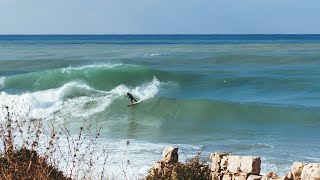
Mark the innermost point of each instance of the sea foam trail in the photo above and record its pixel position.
(2, 82)
(74, 98)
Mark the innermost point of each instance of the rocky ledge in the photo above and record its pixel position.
(226, 166)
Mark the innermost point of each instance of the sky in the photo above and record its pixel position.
(159, 16)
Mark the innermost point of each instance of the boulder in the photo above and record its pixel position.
(270, 176)
(216, 175)
(224, 162)
(296, 170)
(234, 163)
(282, 178)
(254, 177)
(289, 176)
(311, 172)
(219, 161)
(215, 159)
(240, 176)
(170, 155)
(250, 164)
(227, 177)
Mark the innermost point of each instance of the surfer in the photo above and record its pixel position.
(131, 97)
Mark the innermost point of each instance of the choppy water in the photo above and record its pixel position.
(245, 94)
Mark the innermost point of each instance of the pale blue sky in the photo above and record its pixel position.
(159, 16)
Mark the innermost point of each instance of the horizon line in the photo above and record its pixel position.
(165, 34)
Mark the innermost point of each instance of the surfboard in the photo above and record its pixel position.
(133, 104)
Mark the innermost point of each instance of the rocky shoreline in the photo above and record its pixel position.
(226, 166)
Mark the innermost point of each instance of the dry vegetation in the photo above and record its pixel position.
(192, 169)
(27, 151)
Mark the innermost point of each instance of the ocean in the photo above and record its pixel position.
(243, 94)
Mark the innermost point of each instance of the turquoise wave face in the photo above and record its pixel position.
(100, 77)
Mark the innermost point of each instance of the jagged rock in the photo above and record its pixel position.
(224, 162)
(311, 172)
(250, 164)
(216, 176)
(170, 155)
(240, 176)
(296, 170)
(289, 176)
(234, 163)
(227, 177)
(282, 178)
(216, 160)
(254, 177)
(270, 176)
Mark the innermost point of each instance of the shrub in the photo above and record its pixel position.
(190, 170)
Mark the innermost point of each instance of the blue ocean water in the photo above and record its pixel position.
(245, 94)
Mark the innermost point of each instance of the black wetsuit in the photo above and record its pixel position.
(131, 97)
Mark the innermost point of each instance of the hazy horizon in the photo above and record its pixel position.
(158, 17)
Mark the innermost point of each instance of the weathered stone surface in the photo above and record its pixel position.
(250, 164)
(216, 160)
(282, 178)
(270, 176)
(216, 176)
(311, 172)
(296, 170)
(224, 162)
(170, 155)
(227, 177)
(234, 163)
(240, 176)
(254, 177)
(289, 176)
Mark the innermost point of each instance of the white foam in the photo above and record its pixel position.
(147, 91)
(42, 104)
(2, 81)
(156, 54)
(102, 66)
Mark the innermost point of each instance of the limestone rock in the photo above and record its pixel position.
(289, 176)
(240, 176)
(224, 162)
(254, 177)
(250, 164)
(216, 161)
(170, 155)
(296, 170)
(234, 163)
(311, 172)
(216, 176)
(282, 178)
(227, 177)
(270, 176)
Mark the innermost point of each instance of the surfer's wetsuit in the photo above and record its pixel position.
(131, 97)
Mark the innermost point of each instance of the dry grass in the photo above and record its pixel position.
(194, 168)
(30, 150)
